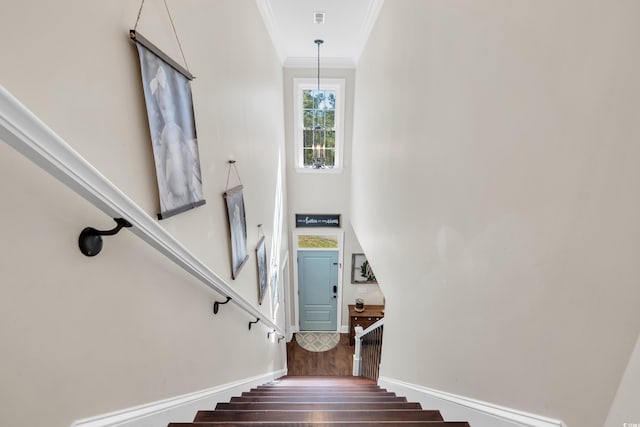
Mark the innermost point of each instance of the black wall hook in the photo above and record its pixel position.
(217, 304)
(90, 241)
(280, 338)
(270, 333)
(251, 323)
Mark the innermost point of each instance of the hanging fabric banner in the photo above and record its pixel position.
(167, 93)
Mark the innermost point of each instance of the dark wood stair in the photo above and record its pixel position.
(314, 401)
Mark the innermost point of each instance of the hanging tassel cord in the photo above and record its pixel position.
(177, 38)
(232, 164)
(139, 14)
(173, 26)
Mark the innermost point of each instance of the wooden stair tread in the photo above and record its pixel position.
(319, 394)
(315, 424)
(304, 406)
(316, 401)
(317, 381)
(318, 416)
(310, 389)
(311, 399)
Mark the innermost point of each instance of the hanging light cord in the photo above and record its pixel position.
(318, 42)
(175, 33)
(317, 97)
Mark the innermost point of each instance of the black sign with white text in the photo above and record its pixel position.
(308, 220)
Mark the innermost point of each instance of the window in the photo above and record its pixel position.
(318, 124)
(315, 241)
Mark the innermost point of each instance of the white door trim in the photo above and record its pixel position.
(294, 244)
(286, 290)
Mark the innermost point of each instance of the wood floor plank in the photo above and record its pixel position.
(322, 379)
(337, 361)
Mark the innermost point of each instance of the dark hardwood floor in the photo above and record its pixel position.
(335, 362)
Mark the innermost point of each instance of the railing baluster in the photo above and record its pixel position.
(368, 352)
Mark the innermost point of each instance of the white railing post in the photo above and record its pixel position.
(356, 354)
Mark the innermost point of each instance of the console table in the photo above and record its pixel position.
(366, 318)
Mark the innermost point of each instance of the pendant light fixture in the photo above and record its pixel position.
(318, 151)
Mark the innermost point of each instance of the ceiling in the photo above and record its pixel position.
(345, 30)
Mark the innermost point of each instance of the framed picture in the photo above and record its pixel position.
(361, 271)
(261, 255)
(167, 93)
(237, 229)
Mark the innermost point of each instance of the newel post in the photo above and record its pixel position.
(356, 355)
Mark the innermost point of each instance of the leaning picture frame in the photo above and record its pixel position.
(167, 92)
(361, 271)
(261, 256)
(237, 229)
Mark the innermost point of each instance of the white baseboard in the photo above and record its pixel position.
(344, 329)
(176, 409)
(460, 408)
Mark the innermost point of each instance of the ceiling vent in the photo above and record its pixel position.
(318, 17)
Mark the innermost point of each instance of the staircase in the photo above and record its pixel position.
(314, 401)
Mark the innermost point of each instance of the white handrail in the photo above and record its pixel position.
(25, 132)
(371, 328)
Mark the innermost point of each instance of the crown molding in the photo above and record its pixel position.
(372, 16)
(264, 7)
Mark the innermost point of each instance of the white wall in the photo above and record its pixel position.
(84, 336)
(326, 192)
(625, 406)
(498, 142)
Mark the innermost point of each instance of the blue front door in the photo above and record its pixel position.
(317, 289)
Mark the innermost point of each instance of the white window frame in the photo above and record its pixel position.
(300, 84)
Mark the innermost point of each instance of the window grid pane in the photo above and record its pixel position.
(311, 241)
(318, 123)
